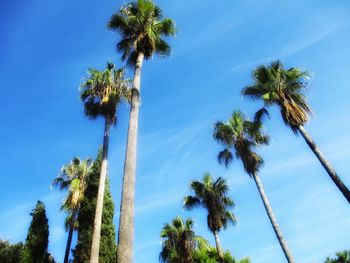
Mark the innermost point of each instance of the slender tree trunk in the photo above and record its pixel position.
(69, 242)
(330, 170)
(126, 225)
(96, 236)
(273, 220)
(218, 246)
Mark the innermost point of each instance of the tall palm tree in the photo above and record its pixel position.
(276, 85)
(239, 136)
(73, 178)
(142, 28)
(179, 241)
(101, 94)
(213, 196)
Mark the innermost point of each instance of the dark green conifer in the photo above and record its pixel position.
(37, 241)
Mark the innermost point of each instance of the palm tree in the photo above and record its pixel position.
(284, 87)
(101, 94)
(239, 136)
(72, 178)
(212, 195)
(179, 242)
(142, 26)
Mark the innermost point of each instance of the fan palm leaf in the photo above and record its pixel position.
(275, 85)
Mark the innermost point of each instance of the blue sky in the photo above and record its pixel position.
(46, 48)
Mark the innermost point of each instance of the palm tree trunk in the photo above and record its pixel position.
(218, 246)
(126, 225)
(273, 220)
(330, 170)
(96, 236)
(69, 242)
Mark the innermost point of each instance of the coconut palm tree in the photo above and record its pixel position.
(72, 178)
(142, 28)
(275, 85)
(179, 242)
(239, 136)
(101, 94)
(213, 196)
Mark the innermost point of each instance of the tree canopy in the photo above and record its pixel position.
(142, 28)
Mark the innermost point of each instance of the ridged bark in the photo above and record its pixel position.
(69, 243)
(218, 246)
(330, 170)
(96, 236)
(273, 220)
(126, 223)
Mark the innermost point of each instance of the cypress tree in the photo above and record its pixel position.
(37, 241)
(86, 219)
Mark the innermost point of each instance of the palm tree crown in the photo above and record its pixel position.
(73, 178)
(102, 91)
(212, 195)
(179, 241)
(284, 87)
(239, 136)
(141, 25)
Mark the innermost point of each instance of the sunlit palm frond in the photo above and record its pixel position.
(72, 178)
(142, 26)
(239, 136)
(275, 85)
(103, 91)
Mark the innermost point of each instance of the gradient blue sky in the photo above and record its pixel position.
(46, 48)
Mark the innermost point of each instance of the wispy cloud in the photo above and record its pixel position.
(160, 200)
(307, 38)
(147, 245)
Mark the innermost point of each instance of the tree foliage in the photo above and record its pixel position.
(213, 196)
(238, 137)
(208, 254)
(10, 253)
(274, 84)
(178, 241)
(86, 219)
(36, 244)
(342, 257)
(72, 178)
(102, 92)
(142, 27)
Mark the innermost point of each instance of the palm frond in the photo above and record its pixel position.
(142, 27)
(260, 114)
(225, 157)
(191, 201)
(211, 194)
(162, 48)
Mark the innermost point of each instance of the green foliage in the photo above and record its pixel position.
(142, 26)
(103, 91)
(274, 84)
(10, 253)
(342, 257)
(238, 136)
(86, 219)
(208, 254)
(178, 241)
(213, 196)
(35, 247)
(72, 178)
